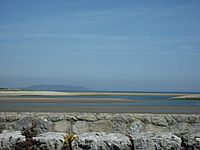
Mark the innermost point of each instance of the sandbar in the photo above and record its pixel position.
(189, 96)
(54, 93)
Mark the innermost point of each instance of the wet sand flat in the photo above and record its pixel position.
(84, 105)
(48, 101)
(109, 109)
(62, 100)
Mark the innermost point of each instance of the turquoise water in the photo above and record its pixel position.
(147, 100)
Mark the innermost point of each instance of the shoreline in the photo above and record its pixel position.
(89, 105)
(63, 100)
(105, 109)
(35, 101)
(55, 93)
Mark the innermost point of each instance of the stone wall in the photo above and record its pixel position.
(100, 122)
(145, 129)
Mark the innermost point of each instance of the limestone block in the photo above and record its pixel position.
(170, 120)
(193, 119)
(54, 117)
(23, 122)
(180, 118)
(102, 141)
(101, 126)
(136, 127)
(63, 126)
(9, 138)
(80, 127)
(145, 118)
(12, 118)
(166, 141)
(87, 117)
(119, 127)
(180, 129)
(155, 129)
(159, 120)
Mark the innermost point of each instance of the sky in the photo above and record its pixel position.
(134, 45)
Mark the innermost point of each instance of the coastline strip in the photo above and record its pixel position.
(105, 109)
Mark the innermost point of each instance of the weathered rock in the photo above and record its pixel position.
(104, 116)
(2, 127)
(155, 129)
(8, 139)
(119, 127)
(80, 127)
(56, 117)
(2, 118)
(62, 126)
(195, 128)
(180, 118)
(180, 129)
(101, 140)
(7, 126)
(101, 126)
(23, 122)
(71, 118)
(50, 140)
(167, 141)
(86, 117)
(42, 124)
(119, 118)
(142, 142)
(12, 118)
(170, 120)
(191, 142)
(159, 120)
(136, 127)
(145, 118)
(130, 119)
(193, 119)
(195, 142)
(120, 124)
(152, 141)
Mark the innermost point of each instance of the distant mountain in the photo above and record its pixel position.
(57, 88)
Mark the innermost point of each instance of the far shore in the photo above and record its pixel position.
(55, 93)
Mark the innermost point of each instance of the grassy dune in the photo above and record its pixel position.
(188, 97)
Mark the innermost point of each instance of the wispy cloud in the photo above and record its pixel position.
(121, 31)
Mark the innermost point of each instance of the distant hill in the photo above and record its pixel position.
(57, 88)
(8, 89)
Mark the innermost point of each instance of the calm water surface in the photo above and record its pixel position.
(147, 100)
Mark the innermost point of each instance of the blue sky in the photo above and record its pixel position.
(101, 44)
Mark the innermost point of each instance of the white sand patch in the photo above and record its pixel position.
(188, 96)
